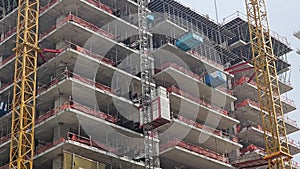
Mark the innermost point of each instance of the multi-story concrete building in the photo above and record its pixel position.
(89, 87)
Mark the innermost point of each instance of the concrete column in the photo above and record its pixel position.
(60, 131)
(61, 100)
(57, 163)
(60, 44)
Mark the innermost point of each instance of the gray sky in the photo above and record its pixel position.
(283, 19)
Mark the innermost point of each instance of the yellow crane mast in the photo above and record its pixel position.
(23, 112)
(275, 136)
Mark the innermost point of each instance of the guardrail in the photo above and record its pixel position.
(195, 149)
(191, 74)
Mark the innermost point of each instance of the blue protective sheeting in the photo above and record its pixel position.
(215, 79)
(189, 41)
(3, 109)
(150, 18)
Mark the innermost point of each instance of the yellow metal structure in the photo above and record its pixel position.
(277, 149)
(23, 113)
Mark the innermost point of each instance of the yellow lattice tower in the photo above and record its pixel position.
(275, 137)
(23, 113)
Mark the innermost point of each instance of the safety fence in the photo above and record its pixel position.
(81, 22)
(252, 148)
(79, 139)
(206, 59)
(257, 105)
(243, 80)
(49, 145)
(90, 142)
(194, 148)
(99, 5)
(293, 142)
(8, 34)
(189, 96)
(205, 128)
(76, 106)
(3, 62)
(70, 75)
(4, 139)
(5, 166)
(246, 103)
(191, 74)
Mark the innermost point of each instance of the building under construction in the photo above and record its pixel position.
(205, 107)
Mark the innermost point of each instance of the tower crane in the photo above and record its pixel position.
(264, 61)
(24, 98)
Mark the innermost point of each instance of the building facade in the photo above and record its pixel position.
(89, 87)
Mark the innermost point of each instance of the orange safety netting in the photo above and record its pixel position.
(194, 148)
(196, 99)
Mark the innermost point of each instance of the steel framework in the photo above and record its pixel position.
(145, 64)
(23, 113)
(275, 136)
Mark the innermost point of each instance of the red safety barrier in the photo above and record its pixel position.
(76, 106)
(4, 139)
(90, 142)
(94, 55)
(44, 8)
(75, 19)
(14, 30)
(49, 145)
(196, 99)
(191, 74)
(194, 148)
(197, 55)
(11, 57)
(295, 164)
(251, 148)
(206, 128)
(243, 80)
(5, 166)
(8, 34)
(290, 121)
(247, 102)
(294, 142)
(100, 5)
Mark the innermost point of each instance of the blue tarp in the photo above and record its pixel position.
(215, 79)
(3, 109)
(189, 41)
(150, 18)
